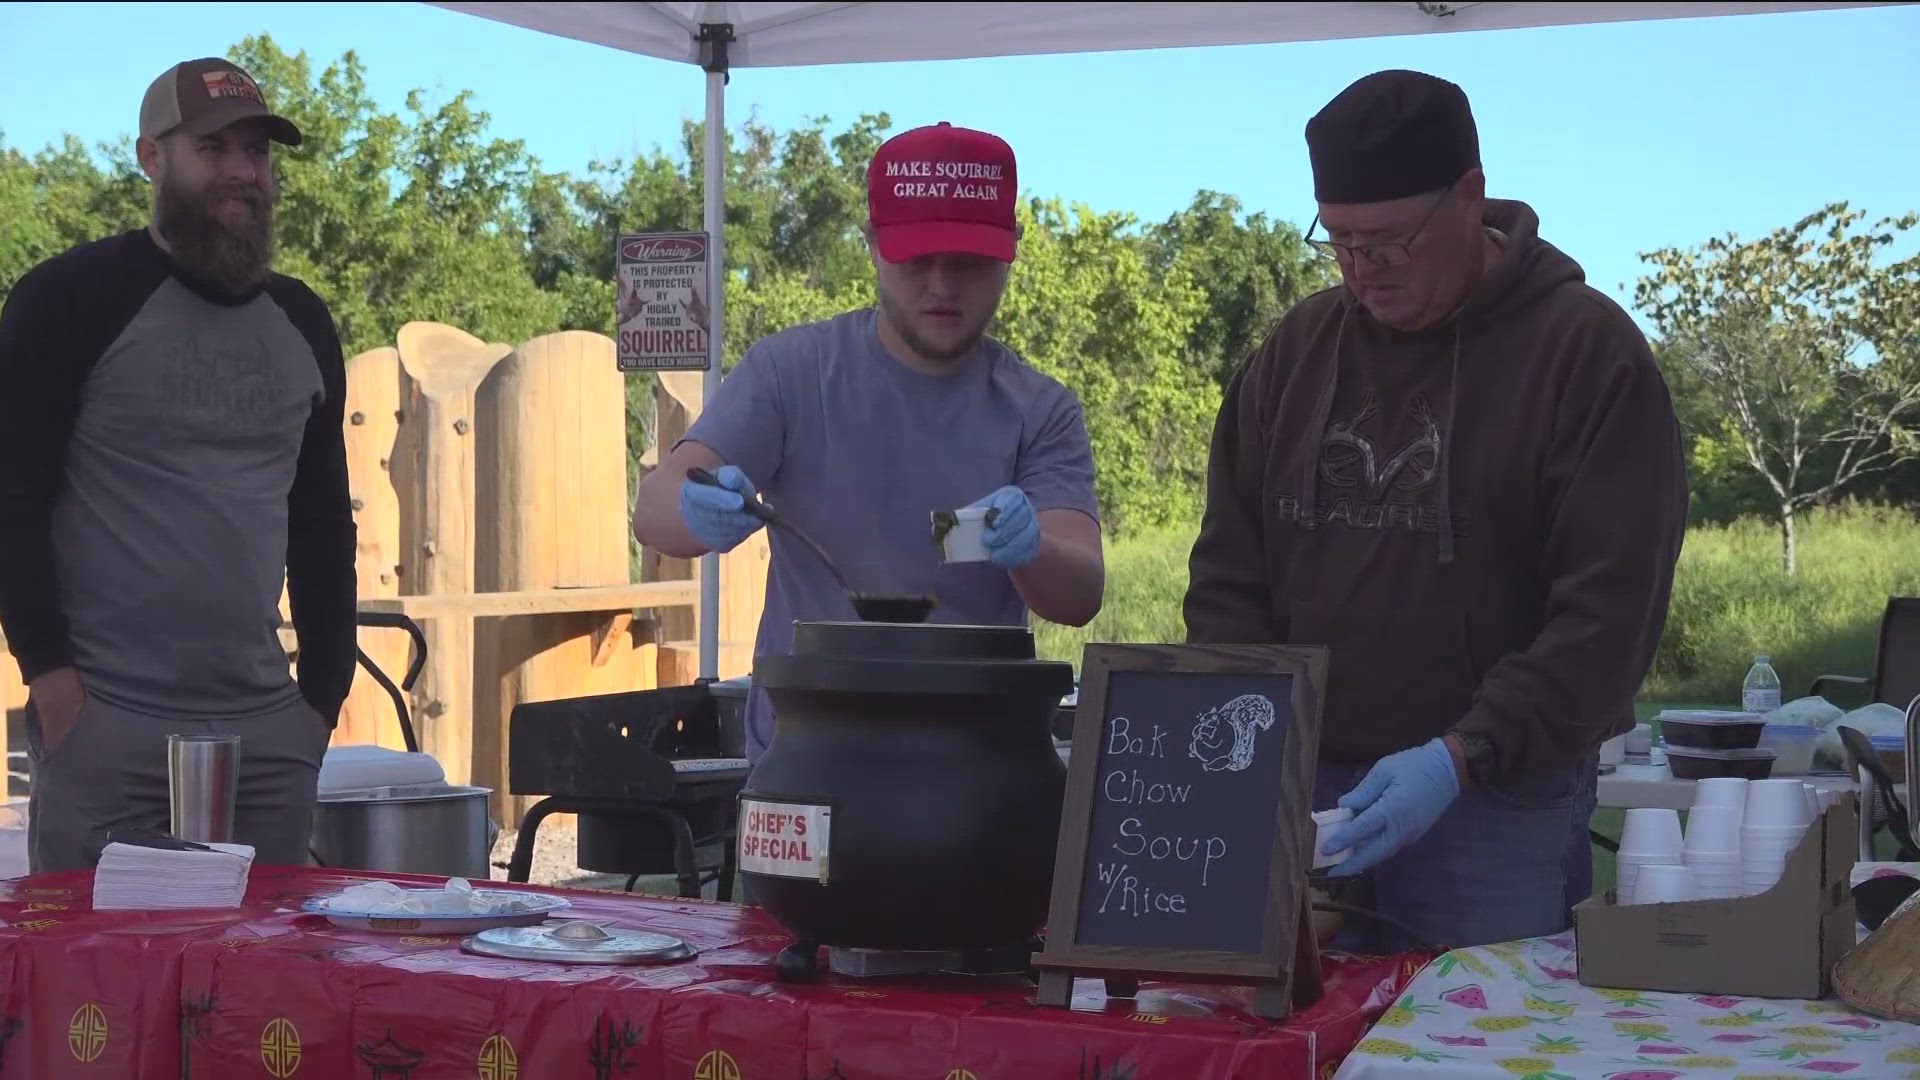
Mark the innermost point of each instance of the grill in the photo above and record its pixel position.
(649, 775)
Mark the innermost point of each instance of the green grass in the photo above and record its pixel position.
(1146, 578)
(1730, 601)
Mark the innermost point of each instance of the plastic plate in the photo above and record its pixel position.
(349, 919)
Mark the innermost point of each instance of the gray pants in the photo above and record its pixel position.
(110, 772)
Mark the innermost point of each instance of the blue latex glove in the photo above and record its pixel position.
(1013, 529)
(716, 518)
(1394, 804)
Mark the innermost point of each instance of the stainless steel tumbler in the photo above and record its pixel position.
(203, 781)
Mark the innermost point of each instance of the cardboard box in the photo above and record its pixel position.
(1782, 943)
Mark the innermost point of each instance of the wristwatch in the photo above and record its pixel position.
(1483, 759)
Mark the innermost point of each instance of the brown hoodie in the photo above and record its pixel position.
(1479, 520)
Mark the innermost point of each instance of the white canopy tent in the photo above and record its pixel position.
(721, 36)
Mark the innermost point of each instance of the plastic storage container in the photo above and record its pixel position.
(361, 768)
(1892, 748)
(1699, 763)
(1710, 730)
(1794, 743)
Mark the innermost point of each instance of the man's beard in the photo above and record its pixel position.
(909, 334)
(234, 258)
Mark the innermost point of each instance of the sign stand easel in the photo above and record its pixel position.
(1186, 832)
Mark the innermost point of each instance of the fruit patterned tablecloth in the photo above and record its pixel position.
(1517, 1010)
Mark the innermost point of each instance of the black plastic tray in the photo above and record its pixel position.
(1709, 731)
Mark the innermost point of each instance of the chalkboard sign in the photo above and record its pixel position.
(1185, 834)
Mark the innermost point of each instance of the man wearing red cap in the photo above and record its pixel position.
(1461, 472)
(858, 427)
(170, 420)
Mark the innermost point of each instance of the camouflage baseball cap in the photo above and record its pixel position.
(200, 97)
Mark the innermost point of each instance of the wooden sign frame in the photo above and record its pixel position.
(1285, 970)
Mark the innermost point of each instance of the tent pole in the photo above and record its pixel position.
(715, 39)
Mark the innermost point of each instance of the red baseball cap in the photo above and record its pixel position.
(943, 190)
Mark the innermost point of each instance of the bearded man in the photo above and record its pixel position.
(860, 426)
(170, 424)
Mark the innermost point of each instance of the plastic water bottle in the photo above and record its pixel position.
(1761, 692)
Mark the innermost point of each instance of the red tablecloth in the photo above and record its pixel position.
(268, 991)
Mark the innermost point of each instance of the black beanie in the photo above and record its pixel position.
(1391, 135)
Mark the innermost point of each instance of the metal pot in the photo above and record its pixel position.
(430, 829)
(411, 829)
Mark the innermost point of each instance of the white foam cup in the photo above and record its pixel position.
(1713, 829)
(1721, 791)
(967, 541)
(1322, 821)
(1651, 837)
(1761, 840)
(1640, 739)
(1651, 831)
(1776, 803)
(1718, 883)
(1756, 879)
(1663, 885)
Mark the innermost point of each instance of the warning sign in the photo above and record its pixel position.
(660, 296)
(785, 839)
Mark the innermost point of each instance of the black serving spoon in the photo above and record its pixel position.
(871, 607)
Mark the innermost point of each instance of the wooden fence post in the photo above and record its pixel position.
(553, 463)
(445, 367)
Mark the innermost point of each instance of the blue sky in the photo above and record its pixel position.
(1624, 137)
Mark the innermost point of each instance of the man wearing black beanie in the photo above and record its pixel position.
(1461, 472)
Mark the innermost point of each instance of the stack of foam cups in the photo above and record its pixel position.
(1777, 815)
(1713, 836)
(1713, 850)
(1651, 838)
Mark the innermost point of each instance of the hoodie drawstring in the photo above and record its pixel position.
(1445, 491)
(1322, 415)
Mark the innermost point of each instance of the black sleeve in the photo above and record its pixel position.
(320, 529)
(43, 365)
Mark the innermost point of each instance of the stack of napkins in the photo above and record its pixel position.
(130, 877)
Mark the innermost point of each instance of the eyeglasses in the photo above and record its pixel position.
(1383, 253)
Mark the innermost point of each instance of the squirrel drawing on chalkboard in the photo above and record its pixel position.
(1230, 749)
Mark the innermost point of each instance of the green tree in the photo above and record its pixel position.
(1250, 271)
(29, 236)
(61, 197)
(1803, 349)
(397, 217)
(1085, 306)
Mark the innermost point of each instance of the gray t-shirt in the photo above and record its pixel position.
(857, 449)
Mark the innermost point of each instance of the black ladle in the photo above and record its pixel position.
(871, 607)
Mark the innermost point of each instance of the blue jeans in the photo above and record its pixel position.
(1501, 864)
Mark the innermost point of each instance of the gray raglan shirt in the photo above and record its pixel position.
(167, 454)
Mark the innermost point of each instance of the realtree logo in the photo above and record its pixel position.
(673, 250)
